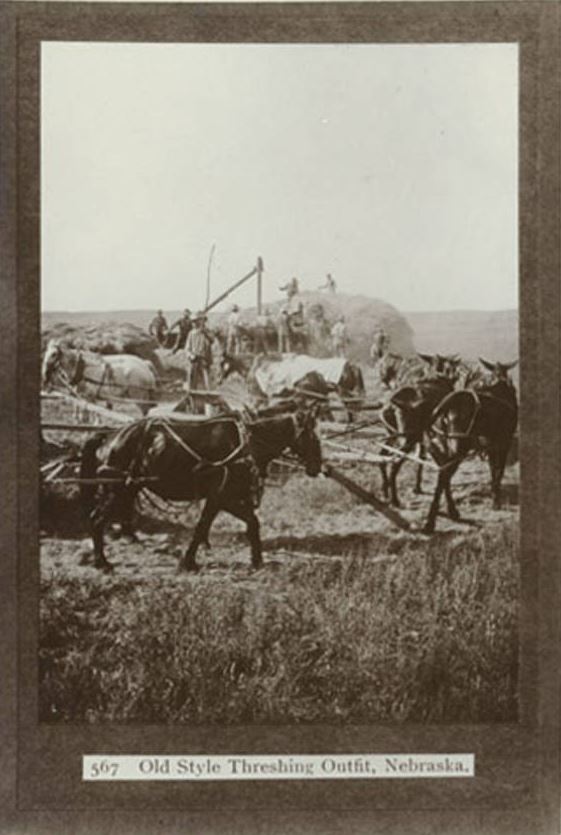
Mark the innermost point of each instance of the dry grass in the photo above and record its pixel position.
(428, 634)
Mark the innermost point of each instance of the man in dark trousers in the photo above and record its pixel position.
(199, 353)
(184, 325)
(158, 327)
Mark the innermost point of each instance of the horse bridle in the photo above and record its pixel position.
(469, 431)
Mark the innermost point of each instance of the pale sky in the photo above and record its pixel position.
(394, 167)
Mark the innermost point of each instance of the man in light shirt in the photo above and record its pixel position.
(198, 349)
(339, 337)
(233, 337)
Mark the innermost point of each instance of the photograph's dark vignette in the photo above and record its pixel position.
(539, 254)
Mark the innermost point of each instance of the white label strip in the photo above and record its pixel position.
(277, 767)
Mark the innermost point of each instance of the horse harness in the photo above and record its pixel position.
(240, 454)
(477, 396)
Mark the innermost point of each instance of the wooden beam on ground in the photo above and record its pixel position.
(119, 417)
(369, 498)
(77, 427)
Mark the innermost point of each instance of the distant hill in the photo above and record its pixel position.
(470, 333)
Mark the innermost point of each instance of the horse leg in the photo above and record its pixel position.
(243, 509)
(499, 457)
(453, 511)
(433, 511)
(395, 467)
(419, 475)
(127, 513)
(97, 520)
(211, 508)
(493, 467)
(385, 481)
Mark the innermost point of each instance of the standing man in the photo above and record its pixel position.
(233, 338)
(380, 344)
(339, 337)
(198, 349)
(184, 325)
(261, 328)
(283, 332)
(158, 327)
(330, 284)
(291, 289)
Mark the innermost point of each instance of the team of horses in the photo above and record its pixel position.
(438, 405)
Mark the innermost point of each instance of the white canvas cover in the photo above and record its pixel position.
(275, 374)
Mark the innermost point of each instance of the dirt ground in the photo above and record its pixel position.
(302, 519)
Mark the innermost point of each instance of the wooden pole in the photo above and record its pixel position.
(367, 497)
(259, 285)
(208, 275)
(231, 289)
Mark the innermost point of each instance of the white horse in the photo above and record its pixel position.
(100, 376)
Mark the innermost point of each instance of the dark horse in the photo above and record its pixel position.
(407, 418)
(221, 460)
(482, 419)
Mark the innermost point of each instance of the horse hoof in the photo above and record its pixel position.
(455, 517)
(428, 528)
(185, 567)
(106, 567)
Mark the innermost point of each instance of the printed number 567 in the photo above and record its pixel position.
(104, 768)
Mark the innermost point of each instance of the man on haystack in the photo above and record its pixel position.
(198, 349)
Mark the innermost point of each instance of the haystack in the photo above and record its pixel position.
(105, 338)
(362, 316)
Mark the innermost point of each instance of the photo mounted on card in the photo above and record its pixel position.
(285, 275)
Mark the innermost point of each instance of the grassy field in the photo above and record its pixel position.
(349, 621)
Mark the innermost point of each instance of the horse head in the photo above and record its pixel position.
(306, 445)
(499, 370)
(54, 361)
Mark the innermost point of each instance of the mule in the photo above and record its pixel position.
(482, 419)
(221, 460)
(407, 417)
(100, 377)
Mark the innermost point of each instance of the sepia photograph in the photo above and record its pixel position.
(279, 441)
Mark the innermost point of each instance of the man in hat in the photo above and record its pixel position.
(339, 337)
(184, 325)
(198, 349)
(158, 327)
(233, 336)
